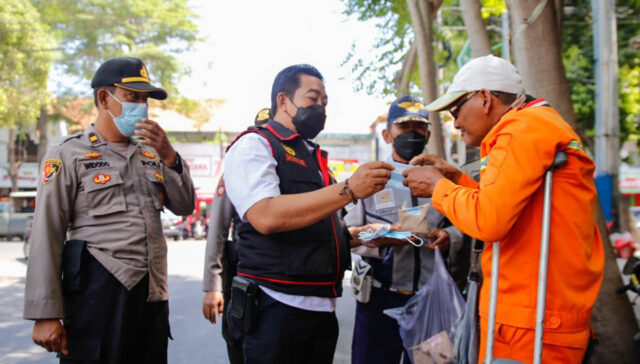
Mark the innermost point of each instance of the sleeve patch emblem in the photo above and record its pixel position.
(101, 178)
(93, 155)
(149, 154)
(50, 170)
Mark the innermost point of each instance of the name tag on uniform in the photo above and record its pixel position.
(384, 199)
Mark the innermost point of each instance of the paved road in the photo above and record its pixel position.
(196, 340)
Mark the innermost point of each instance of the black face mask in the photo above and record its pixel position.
(409, 144)
(309, 121)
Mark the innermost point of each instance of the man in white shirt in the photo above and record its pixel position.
(292, 240)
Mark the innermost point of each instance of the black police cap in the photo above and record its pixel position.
(128, 73)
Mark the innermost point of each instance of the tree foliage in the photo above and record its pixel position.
(393, 22)
(578, 60)
(376, 72)
(23, 70)
(92, 31)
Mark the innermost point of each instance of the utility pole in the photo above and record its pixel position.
(607, 129)
(506, 36)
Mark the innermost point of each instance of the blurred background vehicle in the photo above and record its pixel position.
(173, 226)
(16, 213)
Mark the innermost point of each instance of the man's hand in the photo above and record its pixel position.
(441, 239)
(370, 178)
(50, 335)
(447, 170)
(422, 180)
(212, 306)
(157, 139)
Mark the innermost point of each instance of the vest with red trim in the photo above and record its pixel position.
(310, 261)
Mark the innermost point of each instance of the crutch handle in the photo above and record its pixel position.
(559, 160)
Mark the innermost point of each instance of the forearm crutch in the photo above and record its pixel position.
(559, 160)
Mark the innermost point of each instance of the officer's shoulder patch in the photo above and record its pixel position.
(50, 170)
(220, 190)
(71, 137)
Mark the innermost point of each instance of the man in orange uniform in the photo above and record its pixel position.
(519, 137)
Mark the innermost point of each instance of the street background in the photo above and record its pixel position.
(195, 339)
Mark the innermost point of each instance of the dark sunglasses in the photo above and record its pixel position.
(455, 109)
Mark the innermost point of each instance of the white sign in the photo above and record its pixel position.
(27, 176)
(199, 165)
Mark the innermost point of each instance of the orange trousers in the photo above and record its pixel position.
(516, 343)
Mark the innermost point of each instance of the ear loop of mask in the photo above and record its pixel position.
(115, 98)
(417, 245)
(519, 101)
(291, 101)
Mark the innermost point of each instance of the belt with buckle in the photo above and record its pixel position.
(405, 292)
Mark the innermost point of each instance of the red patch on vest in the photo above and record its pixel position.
(290, 158)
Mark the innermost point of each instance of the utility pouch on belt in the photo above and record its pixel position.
(75, 258)
(361, 281)
(244, 303)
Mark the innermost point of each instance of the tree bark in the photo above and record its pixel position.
(43, 131)
(476, 28)
(402, 80)
(14, 164)
(421, 12)
(613, 320)
(538, 54)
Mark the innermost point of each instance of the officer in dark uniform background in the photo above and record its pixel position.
(104, 191)
(399, 269)
(293, 243)
(220, 261)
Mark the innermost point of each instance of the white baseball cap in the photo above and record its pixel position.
(487, 72)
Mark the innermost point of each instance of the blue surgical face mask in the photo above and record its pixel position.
(369, 234)
(132, 113)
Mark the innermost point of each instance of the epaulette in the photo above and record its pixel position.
(72, 136)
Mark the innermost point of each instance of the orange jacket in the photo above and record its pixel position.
(506, 206)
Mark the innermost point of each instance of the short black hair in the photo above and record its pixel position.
(288, 81)
(505, 98)
(95, 92)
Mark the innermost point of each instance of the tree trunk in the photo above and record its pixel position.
(559, 5)
(402, 80)
(476, 28)
(613, 320)
(534, 37)
(43, 131)
(14, 164)
(421, 12)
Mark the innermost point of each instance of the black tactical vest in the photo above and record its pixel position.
(310, 261)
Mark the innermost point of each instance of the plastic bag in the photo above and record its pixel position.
(434, 309)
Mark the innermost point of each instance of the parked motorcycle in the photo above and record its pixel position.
(632, 269)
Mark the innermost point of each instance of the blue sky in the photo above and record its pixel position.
(249, 42)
